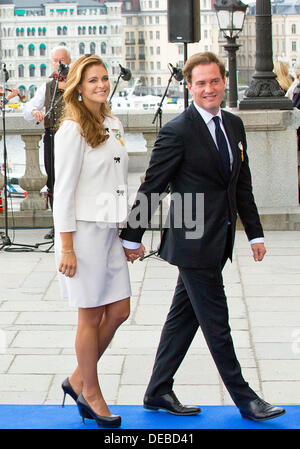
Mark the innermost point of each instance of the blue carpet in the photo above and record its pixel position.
(136, 417)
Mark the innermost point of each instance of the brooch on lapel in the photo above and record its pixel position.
(241, 148)
(118, 136)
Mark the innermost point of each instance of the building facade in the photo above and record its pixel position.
(285, 37)
(29, 30)
(146, 50)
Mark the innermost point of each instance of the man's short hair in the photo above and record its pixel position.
(204, 58)
(61, 47)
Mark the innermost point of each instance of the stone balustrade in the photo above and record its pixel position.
(272, 149)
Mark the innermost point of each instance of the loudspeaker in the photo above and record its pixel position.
(184, 21)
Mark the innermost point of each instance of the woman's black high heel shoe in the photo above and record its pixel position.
(67, 389)
(102, 421)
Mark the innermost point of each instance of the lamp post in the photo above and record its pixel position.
(231, 16)
(264, 91)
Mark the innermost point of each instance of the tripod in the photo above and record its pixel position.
(6, 242)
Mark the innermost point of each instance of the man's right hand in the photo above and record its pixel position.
(133, 254)
(38, 115)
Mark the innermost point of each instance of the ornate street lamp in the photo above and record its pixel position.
(231, 16)
(264, 91)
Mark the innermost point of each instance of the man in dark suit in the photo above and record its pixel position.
(201, 151)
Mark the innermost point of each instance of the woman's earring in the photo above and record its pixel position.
(79, 98)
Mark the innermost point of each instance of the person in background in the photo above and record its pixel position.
(296, 72)
(284, 78)
(36, 109)
(91, 164)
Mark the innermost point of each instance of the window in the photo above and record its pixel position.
(31, 50)
(92, 48)
(42, 50)
(32, 70)
(294, 46)
(65, 30)
(31, 91)
(81, 48)
(22, 90)
(20, 50)
(103, 48)
(43, 69)
(294, 29)
(21, 71)
(59, 32)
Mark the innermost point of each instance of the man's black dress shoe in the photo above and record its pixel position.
(259, 410)
(170, 403)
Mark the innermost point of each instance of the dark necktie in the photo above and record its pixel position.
(223, 148)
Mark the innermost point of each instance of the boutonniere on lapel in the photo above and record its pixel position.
(241, 148)
(118, 136)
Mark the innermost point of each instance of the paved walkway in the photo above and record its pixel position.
(37, 328)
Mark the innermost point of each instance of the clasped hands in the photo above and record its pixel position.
(133, 254)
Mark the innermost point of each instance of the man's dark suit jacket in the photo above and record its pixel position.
(186, 159)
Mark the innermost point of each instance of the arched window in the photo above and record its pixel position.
(32, 70)
(17, 32)
(20, 50)
(44, 31)
(21, 71)
(22, 90)
(31, 50)
(59, 33)
(32, 31)
(94, 30)
(100, 30)
(105, 29)
(65, 30)
(92, 48)
(42, 50)
(83, 30)
(22, 32)
(79, 31)
(103, 48)
(81, 48)
(90, 30)
(40, 31)
(32, 89)
(28, 31)
(43, 69)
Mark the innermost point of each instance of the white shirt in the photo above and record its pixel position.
(36, 102)
(208, 119)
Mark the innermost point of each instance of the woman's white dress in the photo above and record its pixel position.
(90, 199)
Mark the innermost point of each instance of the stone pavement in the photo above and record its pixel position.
(37, 328)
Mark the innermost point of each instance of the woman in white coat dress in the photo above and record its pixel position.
(90, 199)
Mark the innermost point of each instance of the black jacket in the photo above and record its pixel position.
(186, 159)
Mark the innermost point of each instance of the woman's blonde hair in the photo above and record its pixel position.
(282, 71)
(91, 129)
